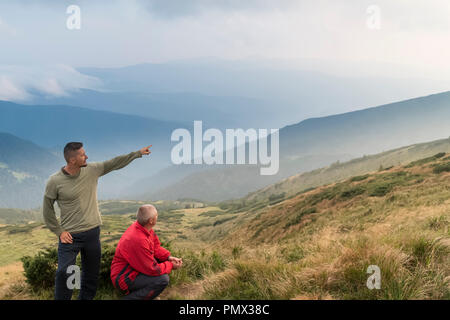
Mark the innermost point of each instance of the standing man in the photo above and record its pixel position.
(141, 267)
(74, 188)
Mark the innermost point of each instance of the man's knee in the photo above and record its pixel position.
(164, 281)
(61, 271)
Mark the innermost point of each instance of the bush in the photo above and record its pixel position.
(327, 194)
(442, 168)
(275, 198)
(425, 160)
(105, 268)
(381, 190)
(40, 270)
(298, 217)
(359, 178)
(353, 192)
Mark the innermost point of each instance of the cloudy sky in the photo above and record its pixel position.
(392, 38)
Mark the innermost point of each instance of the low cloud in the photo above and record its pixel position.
(22, 83)
(181, 8)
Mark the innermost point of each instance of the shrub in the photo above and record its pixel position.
(275, 198)
(353, 192)
(327, 194)
(380, 190)
(105, 268)
(298, 217)
(425, 160)
(359, 178)
(442, 168)
(40, 269)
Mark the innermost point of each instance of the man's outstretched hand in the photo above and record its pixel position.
(146, 150)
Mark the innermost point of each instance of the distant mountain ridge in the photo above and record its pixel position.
(182, 107)
(291, 93)
(339, 137)
(105, 135)
(24, 168)
(53, 126)
(371, 130)
(308, 145)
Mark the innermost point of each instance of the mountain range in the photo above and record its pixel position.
(314, 143)
(305, 146)
(24, 168)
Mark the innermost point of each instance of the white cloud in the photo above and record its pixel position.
(181, 8)
(21, 83)
(10, 91)
(412, 40)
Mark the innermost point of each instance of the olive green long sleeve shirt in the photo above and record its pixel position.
(77, 195)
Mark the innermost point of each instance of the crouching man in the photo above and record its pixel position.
(141, 267)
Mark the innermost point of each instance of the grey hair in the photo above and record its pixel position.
(145, 213)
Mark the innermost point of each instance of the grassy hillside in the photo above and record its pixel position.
(17, 216)
(318, 244)
(359, 166)
(234, 181)
(315, 244)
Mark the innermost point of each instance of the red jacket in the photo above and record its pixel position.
(138, 251)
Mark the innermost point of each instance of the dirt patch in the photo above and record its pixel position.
(12, 282)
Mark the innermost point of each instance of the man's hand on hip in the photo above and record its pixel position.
(65, 237)
(146, 150)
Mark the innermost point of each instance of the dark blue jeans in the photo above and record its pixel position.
(88, 243)
(146, 287)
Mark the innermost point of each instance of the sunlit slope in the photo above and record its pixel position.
(319, 244)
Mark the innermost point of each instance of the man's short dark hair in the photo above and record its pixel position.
(70, 148)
